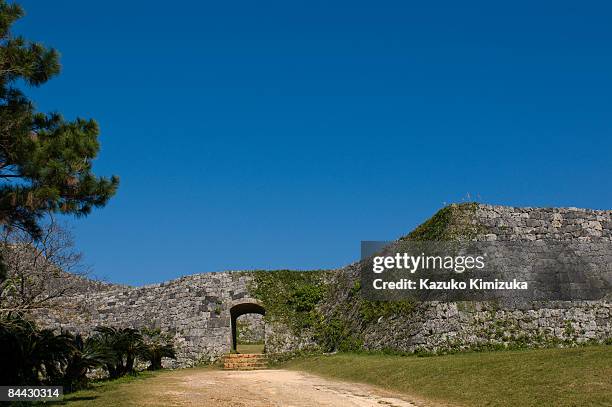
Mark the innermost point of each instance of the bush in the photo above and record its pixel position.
(86, 355)
(125, 343)
(157, 345)
(291, 297)
(33, 356)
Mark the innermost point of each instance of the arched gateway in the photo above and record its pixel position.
(201, 310)
(242, 308)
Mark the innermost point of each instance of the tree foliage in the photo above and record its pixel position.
(45, 160)
(38, 270)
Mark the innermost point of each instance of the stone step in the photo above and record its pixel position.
(245, 356)
(238, 366)
(246, 361)
(245, 368)
(243, 362)
(238, 361)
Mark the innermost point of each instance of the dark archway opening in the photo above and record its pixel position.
(241, 309)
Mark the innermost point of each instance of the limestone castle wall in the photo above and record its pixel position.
(451, 326)
(196, 308)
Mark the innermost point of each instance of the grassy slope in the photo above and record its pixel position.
(545, 377)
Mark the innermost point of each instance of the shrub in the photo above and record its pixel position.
(125, 343)
(86, 355)
(157, 345)
(33, 356)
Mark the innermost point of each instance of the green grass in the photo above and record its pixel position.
(106, 393)
(157, 388)
(545, 377)
(250, 348)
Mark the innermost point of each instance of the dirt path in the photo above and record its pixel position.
(261, 388)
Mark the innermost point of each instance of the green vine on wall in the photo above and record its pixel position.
(289, 296)
(453, 222)
(336, 314)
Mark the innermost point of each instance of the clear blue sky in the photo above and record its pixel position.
(280, 134)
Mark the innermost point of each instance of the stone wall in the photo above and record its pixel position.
(196, 308)
(531, 224)
(450, 326)
(250, 328)
(435, 327)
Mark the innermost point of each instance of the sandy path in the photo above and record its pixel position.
(263, 388)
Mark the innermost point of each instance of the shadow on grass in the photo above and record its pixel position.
(99, 387)
(69, 400)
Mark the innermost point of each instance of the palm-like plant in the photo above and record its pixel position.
(49, 353)
(157, 346)
(125, 343)
(31, 356)
(14, 370)
(86, 354)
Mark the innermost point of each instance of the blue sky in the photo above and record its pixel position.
(280, 134)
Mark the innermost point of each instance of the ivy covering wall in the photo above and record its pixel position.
(327, 307)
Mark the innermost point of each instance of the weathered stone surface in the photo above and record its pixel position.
(436, 326)
(196, 308)
(250, 328)
(202, 328)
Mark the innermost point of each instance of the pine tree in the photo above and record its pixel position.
(45, 160)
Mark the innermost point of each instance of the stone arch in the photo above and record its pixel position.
(240, 308)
